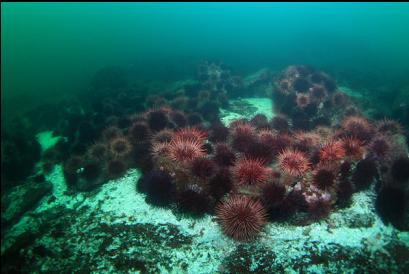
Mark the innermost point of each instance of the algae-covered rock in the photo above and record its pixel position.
(18, 200)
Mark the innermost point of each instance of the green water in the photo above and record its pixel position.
(264, 149)
(50, 50)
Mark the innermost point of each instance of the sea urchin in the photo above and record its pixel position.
(250, 171)
(293, 162)
(241, 217)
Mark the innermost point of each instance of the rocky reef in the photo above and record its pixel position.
(198, 179)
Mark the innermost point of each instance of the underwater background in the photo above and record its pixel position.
(53, 49)
(205, 137)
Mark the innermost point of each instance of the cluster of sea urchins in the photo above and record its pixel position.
(253, 170)
(258, 170)
(254, 173)
(108, 137)
(310, 97)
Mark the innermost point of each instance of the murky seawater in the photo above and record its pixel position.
(205, 137)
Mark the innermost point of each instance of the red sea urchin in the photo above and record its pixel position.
(242, 135)
(179, 118)
(259, 121)
(353, 148)
(250, 171)
(224, 155)
(293, 162)
(306, 141)
(163, 136)
(193, 134)
(260, 150)
(331, 152)
(380, 146)
(159, 149)
(185, 150)
(387, 126)
(280, 123)
(358, 127)
(241, 217)
(218, 132)
(277, 143)
(266, 136)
